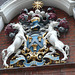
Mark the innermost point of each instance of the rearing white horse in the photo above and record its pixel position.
(53, 39)
(19, 39)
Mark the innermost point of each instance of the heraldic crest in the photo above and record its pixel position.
(35, 40)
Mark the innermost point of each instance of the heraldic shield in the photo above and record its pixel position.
(36, 41)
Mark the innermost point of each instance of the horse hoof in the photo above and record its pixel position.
(11, 66)
(6, 67)
(64, 59)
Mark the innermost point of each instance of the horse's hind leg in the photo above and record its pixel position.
(3, 54)
(65, 56)
(52, 49)
(17, 54)
(5, 59)
(64, 53)
(67, 50)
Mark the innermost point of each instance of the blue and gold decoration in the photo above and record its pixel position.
(35, 54)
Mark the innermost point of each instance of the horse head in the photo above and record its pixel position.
(54, 23)
(16, 26)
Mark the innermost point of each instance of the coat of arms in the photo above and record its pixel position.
(36, 40)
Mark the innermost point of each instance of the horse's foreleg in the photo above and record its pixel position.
(25, 43)
(44, 42)
(58, 34)
(48, 34)
(23, 40)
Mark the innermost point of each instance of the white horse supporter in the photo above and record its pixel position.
(53, 39)
(19, 39)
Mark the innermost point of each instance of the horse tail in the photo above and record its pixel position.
(67, 49)
(3, 54)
